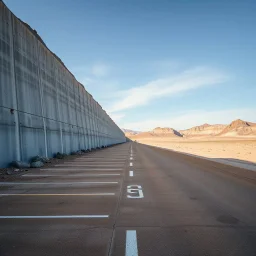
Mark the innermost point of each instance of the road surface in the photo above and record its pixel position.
(130, 200)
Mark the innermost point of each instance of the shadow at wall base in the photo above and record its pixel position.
(32, 143)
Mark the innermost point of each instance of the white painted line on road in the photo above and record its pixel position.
(131, 248)
(131, 158)
(72, 175)
(57, 183)
(102, 157)
(88, 194)
(131, 164)
(89, 165)
(95, 162)
(80, 169)
(56, 217)
(99, 160)
(131, 173)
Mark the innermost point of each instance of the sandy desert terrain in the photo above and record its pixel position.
(211, 141)
(239, 149)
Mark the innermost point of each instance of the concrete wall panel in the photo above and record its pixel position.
(43, 109)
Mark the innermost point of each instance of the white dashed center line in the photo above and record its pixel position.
(131, 248)
(131, 164)
(131, 173)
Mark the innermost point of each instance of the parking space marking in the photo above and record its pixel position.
(89, 165)
(95, 162)
(72, 175)
(103, 158)
(55, 217)
(131, 164)
(88, 194)
(57, 183)
(131, 248)
(80, 169)
(131, 173)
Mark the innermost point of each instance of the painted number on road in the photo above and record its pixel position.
(134, 191)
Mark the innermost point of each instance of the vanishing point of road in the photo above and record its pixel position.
(130, 200)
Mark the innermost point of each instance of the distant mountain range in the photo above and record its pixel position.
(128, 132)
(236, 128)
(203, 130)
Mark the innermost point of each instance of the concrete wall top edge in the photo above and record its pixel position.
(37, 36)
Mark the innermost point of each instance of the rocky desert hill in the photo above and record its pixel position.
(203, 130)
(129, 133)
(239, 128)
(166, 131)
(158, 132)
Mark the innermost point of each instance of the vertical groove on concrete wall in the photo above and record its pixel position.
(43, 108)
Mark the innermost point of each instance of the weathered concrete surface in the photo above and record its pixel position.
(43, 108)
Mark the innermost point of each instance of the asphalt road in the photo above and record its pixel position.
(130, 200)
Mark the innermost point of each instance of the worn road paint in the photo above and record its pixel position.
(131, 173)
(131, 248)
(55, 217)
(88, 194)
(134, 191)
(57, 183)
(131, 164)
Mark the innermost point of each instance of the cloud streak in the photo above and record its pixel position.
(100, 70)
(166, 87)
(117, 117)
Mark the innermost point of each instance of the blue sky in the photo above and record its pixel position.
(174, 63)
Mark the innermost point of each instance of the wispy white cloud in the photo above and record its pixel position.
(193, 118)
(100, 69)
(117, 117)
(97, 80)
(185, 81)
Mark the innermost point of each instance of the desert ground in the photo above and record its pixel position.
(229, 150)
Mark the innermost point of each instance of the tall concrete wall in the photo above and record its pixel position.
(43, 108)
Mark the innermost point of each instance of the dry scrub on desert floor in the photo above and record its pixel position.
(220, 148)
